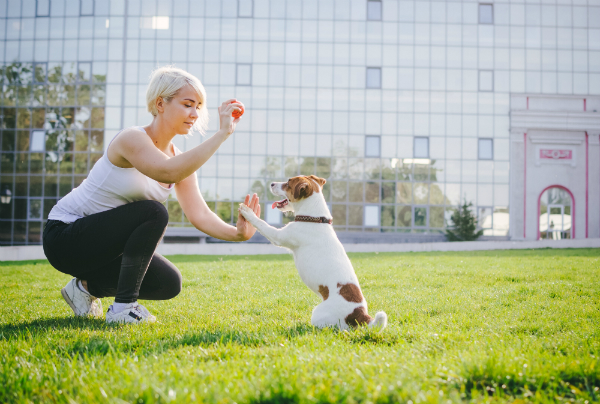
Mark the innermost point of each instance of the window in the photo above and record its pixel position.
(486, 14)
(421, 148)
(245, 8)
(374, 10)
(42, 8)
(244, 75)
(38, 141)
(486, 80)
(373, 77)
(486, 149)
(86, 7)
(372, 146)
(371, 218)
(273, 216)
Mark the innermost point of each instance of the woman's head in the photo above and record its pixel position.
(180, 94)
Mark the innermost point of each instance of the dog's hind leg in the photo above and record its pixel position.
(324, 315)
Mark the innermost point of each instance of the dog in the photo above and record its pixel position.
(318, 254)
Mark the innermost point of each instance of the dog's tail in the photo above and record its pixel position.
(380, 320)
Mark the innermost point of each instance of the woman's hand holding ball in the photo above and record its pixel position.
(229, 115)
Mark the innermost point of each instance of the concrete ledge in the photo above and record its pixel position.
(35, 252)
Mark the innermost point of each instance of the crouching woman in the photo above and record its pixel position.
(105, 232)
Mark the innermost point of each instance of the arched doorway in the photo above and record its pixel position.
(556, 214)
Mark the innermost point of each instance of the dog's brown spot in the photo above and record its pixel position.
(324, 291)
(302, 187)
(320, 181)
(351, 292)
(358, 317)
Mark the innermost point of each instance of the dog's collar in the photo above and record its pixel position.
(312, 219)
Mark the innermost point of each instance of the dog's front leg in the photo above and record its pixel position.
(274, 235)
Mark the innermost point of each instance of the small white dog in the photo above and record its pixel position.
(319, 256)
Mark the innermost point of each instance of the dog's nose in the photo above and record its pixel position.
(272, 184)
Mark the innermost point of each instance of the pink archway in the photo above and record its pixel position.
(572, 208)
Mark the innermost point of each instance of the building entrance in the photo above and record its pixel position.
(554, 165)
(555, 219)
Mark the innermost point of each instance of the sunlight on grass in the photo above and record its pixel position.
(483, 326)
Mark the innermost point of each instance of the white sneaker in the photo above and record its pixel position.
(83, 304)
(132, 313)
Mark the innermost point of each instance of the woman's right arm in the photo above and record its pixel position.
(137, 148)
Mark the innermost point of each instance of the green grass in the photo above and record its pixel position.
(494, 326)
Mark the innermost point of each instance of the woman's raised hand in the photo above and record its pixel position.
(245, 229)
(227, 123)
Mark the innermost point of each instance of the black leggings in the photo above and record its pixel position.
(114, 252)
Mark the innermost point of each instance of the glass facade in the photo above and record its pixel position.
(403, 106)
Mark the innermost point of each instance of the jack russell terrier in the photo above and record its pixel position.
(318, 254)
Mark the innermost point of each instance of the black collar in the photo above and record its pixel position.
(312, 219)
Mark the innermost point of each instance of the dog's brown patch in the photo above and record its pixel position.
(351, 292)
(358, 317)
(320, 181)
(302, 187)
(324, 291)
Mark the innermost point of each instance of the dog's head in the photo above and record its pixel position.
(296, 189)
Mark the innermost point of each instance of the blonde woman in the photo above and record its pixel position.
(105, 232)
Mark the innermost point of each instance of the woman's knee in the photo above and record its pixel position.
(172, 286)
(158, 211)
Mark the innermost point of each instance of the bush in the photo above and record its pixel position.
(464, 224)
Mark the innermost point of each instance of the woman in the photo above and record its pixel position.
(105, 232)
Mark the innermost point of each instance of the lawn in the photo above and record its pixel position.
(494, 326)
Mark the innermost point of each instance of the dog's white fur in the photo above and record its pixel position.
(319, 257)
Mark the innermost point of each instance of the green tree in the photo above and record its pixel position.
(464, 224)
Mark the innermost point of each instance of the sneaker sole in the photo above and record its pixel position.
(65, 296)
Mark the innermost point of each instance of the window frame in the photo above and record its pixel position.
(415, 147)
(367, 137)
(81, 8)
(380, 10)
(37, 8)
(479, 13)
(491, 90)
(479, 140)
(377, 209)
(378, 68)
(237, 67)
(251, 9)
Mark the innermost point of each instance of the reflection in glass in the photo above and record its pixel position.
(420, 216)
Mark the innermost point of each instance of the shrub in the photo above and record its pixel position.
(464, 224)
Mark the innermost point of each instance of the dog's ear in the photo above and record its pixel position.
(320, 181)
(301, 190)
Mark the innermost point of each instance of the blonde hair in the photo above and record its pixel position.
(166, 82)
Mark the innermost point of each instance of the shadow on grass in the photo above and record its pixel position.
(41, 326)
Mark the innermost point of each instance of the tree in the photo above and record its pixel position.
(464, 224)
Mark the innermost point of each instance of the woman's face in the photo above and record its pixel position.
(182, 111)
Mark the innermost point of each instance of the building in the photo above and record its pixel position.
(406, 107)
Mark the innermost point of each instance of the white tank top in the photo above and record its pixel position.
(107, 187)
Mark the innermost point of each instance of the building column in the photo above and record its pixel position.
(593, 170)
(517, 183)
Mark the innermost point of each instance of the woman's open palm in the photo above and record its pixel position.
(244, 228)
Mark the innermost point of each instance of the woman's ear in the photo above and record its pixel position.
(160, 104)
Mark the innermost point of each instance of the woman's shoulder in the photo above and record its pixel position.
(133, 133)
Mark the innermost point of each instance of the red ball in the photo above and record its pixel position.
(236, 113)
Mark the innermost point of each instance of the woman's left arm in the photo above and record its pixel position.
(199, 214)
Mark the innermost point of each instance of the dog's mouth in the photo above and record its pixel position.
(279, 204)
